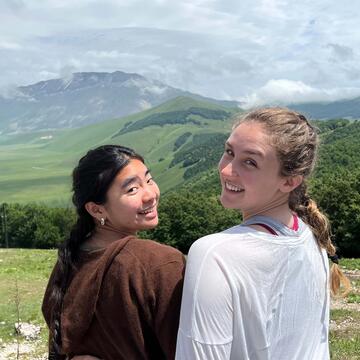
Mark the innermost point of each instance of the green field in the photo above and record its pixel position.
(24, 274)
(37, 166)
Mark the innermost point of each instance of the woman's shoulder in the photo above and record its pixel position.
(216, 241)
(152, 246)
(131, 252)
(152, 252)
(239, 242)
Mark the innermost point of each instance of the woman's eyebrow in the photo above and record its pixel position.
(128, 181)
(247, 151)
(254, 152)
(132, 179)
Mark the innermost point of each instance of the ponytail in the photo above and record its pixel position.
(307, 210)
(68, 255)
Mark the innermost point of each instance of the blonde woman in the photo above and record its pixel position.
(260, 290)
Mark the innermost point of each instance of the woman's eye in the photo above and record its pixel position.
(150, 181)
(250, 162)
(132, 190)
(229, 152)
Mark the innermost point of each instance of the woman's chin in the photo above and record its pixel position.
(226, 202)
(151, 224)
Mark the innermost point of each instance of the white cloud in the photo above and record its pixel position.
(10, 91)
(283, 91)
(12, 6)
(157, 90)
(273, 8)
(341, 52)
(219, 48)
(7, 45)
(144, 105)
(113, 54)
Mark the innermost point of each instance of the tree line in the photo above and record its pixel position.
(188, 214)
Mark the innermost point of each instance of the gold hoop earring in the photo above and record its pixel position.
(102, 221)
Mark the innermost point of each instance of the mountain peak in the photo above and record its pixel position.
(96, 77)
(78, 81)
(84, 98)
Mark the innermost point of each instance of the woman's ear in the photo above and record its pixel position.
(290, 183)
(95, 210)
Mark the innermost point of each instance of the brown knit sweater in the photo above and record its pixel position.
(123, 302)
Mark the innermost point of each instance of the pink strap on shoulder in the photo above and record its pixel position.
(296, 223)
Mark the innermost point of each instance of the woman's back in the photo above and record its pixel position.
(123, 302)
(275, 290)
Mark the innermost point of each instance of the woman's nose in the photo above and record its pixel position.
(227, 169)
(150, 193)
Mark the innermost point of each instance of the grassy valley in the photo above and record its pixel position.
(180, 139)
(37, 166)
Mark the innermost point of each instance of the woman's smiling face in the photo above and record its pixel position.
(132, 199)
(249, 170)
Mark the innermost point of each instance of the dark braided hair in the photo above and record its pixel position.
(296, 142)
(92, 178)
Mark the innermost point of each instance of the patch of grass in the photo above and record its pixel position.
(350, 264)
(345, 341)
(32, 269)
(353, 298)
(25, 271)
(345, 344)
(339, 315)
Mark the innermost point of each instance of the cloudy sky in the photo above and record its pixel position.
(255, 51)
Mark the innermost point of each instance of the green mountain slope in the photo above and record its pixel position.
(339, 154)
(340, 148)
(182, 141)
(348, 108)
(37, 166)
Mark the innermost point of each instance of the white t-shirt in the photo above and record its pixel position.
(252, 295)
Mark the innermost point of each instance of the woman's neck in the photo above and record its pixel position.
(104, 235)
(278, 210)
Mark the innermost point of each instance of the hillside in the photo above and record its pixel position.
(83, 99)
(349, 108)
(178, 149)
(37, 166)
(339, 153)
(340, 149)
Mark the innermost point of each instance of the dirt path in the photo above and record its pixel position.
(343, 305)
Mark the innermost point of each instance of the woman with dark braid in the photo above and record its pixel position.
(112, 295)
(260, 290)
